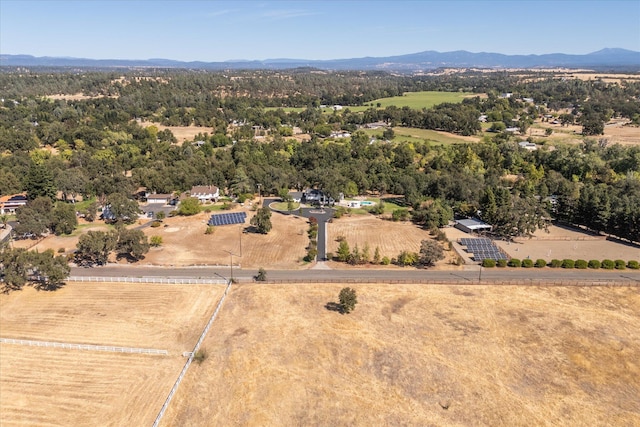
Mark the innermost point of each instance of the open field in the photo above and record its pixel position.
(491, 355)
(182, 133)
(391, 237)
(51, 386)
(184, 243)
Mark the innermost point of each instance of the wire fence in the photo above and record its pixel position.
(191, 356)
(90, 347)
(165, 280)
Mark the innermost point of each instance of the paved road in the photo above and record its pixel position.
(407, 275)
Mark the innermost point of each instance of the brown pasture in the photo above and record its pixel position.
(53, 386)
(418, 355)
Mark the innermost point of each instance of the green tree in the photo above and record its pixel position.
(43, 270)
(189, 206)
(430, 252)
(122, 209)
(39, 182)
(63, 218)
(94, 247)
(131, 244)
(344, 252)
(348, 300)
(34, 218)
(262, 220)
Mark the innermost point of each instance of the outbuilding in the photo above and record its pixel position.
(472, 225)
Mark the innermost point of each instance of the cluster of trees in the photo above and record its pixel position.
(41, 215)
(430, 252)
(95, 247)
(43, 270)
(96, 147)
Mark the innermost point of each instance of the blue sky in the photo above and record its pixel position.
(209, 30)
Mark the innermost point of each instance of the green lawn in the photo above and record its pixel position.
(415, 100)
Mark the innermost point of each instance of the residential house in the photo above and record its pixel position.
(528, 145)
(158, 198)
(9, 204)
(205, 193)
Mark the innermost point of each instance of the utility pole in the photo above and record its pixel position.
(231, 254)
(259, 193)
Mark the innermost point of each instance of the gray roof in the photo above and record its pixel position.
(473, 224)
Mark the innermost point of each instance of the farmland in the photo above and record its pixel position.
(71, 387)
(478, 355)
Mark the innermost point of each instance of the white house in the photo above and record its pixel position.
(9, 204)
(528, 145)
(158, 198)
(205, 193)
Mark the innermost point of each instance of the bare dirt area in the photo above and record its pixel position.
(53, 386)
(561, 243)
(56, 243)
(185, 242)
(391, 237)
(410, 355)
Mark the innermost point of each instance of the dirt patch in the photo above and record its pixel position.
(491, 355)
(182, 133)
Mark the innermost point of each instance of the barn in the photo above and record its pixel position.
(472, 225)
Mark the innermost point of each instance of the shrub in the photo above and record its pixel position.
(261, 276)
(61, 250)
(155, 241)
(568, 263)
(502, 263)
(607, 264)
(155, 224)
(489, 263)
(311, 255)
(634, 265)
(386, 260)
(514, 262)
(581, 264)
(620, 264)
(200, 355)
(555, 263)
(527, 263)
(210, 229)
(594, 263)
(540, 263)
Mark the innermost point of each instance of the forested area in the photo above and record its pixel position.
(96, 147)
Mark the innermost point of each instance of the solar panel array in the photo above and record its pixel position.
(228, 218)
(483, 248)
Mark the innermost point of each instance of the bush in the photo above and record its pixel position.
(210, 229)
(514, 262)
(261, 276)
(607, 264)
(61, 250)
(489, 263)
(502, 263)
(540, 263)
(156, 224)
(527, 263)
(199, 356)
(634, 265)
(568, 263)
(386, 260)
(555, 263)
(581, 264)
(155, 241)
(620, 264)
(594, 263)
(311, 255)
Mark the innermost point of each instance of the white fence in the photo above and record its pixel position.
(188, 363)
(165, 280)
(89, 347)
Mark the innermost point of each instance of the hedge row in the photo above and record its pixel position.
(606, 264)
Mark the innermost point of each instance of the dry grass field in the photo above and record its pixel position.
(185, 243)
(182, 133)
(416, 356)
(50, 386)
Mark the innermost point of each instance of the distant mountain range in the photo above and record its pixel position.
(612, 59)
